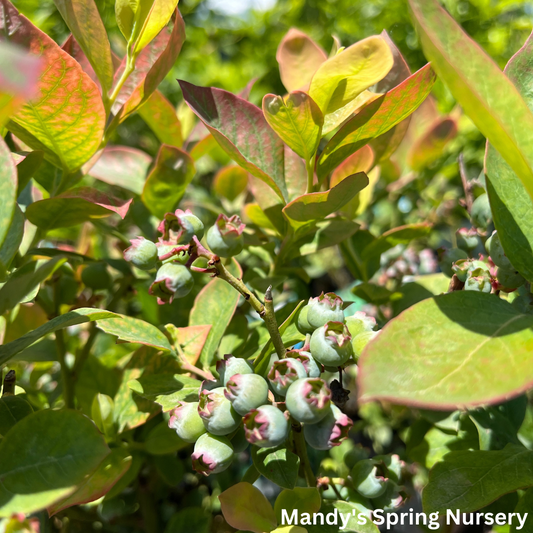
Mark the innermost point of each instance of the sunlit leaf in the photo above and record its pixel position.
(162, 119)
(8, 190)
(230, 181)
(190, 340)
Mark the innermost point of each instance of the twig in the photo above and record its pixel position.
(272, 325)
(466, 184)
(9, 384)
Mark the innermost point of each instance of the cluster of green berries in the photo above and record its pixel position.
(485, 274)
(171, 254)
(242, 407)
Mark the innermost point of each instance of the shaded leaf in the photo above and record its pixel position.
(27, 165)
(376, 118)
(230, 181)
(162, 119)
(487, 96)
(52, 467)
(74, 207)
(166, 183)
(468, 481)
(467, 337)
(8, 190)
(278, 465)
(431, 145)
(299, 58)
(304, 500)
(242, 131)
(371, 293)
(163, 440)
(12, 410)
(524, 505)
(189, 519)
(66, 120)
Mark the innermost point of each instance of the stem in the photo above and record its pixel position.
(9, 384)
(300, 448)
(130, 67)
(68, 383)
(310, 167)
(272, 325)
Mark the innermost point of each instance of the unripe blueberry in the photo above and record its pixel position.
(224, 238)
(171, 281)
(266, 426)
(480, 212)
(172, 253)
(463, 267)
(142, 253)
(96, 276)
(217, 413)
(448, 258)
(331, 344)
(302, 323)
(508, 280)
(330, 431)
(495, 250)
(246, 392)
(325, 308)
(229, 366)
(467, 238)
(391, 499)
(284, 373)
(312, 368)
(212, 454)
(392, 464)
(366, 480)
(478, 280)
(180, 227)
(187, 422)
(360, 322)
(308, 400)
(360, 341)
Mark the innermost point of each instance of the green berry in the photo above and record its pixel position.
(308, 400)
(284, 373)
(496, 252)
(467, 238)
(392, 464)
(366, 480)
(391, 499)
(96, 277)
(312, 369)
(360, 341)
(171, 281)
(229, 366)
(360, 322)
(325, 308)
(212, 454)
(187, 422)
(478, 280)
(266, 426)
(217, 413)
(330, 431)
(246, 392)
(225, 238)
(331, 344)
(449, 257)
(509, 280)
(142, 253)
(180, 227)
(480, 212)
(301, 321)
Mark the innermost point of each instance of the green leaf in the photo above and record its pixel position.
(163, 440)
(277, 464)
(25, 280)
(8, 190)
(166, 183)
(28, 163)
(343, 77)
(487, 96)
(53, 467)
(129, 329)
(306, 210)
(122, 166)
(242, 131)
(495, 429)
(419, 289)
(297, 120)
(66, 120)
(371, 293)
(376, 118)
(166, 389)
(215, 305)
(299, 58)
(84, 22)
(304, 500)
(511, 206)
(103, 414)
(189, 519)
(99, 483)
(245, 507)
(162, 119)
(468, 481)
(230, 181)
(12, 410)
(524, 506)
(79, 316)
(470, 328)
(74, 207)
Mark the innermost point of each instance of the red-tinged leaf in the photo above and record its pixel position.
(309, 208)
(295, 173)
(230, 181)
(360, 161)
(299, 58)
(431, 145)
(242, 131)
(84, 21)
(19, 77)
(151, 67)
(99, 483)
(486, 94)
(376, 118)
(8, 191)
(191, 340)
(74, 207)
(269, 202)
(297, 120)
(166, 183)
(122, 166)
(66, 120)
(162, 119)
(71, 47)
(385, 145)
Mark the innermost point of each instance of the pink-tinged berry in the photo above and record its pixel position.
(171, 281)
(225, 238)
(366, 480)
(284, 373)
(266, 426)
(212, 454)
(229, 366)
(308, 400)
(142, 253)
(180, 227)
(331, 344)
(217, 413)
(246, 392)
(325, 308)
(186, 421)
(330, 431)
(312, 368)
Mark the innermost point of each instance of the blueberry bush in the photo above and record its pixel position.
(311, 292)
